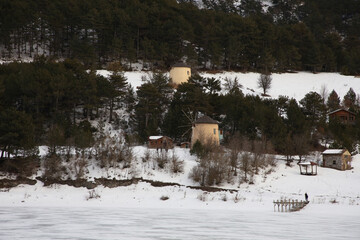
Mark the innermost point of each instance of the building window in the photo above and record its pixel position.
(334, 162)
(351, 118)
(214, 131)
(188, 72)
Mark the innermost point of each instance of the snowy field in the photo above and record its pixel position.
(137, 212)
(119, 223)
(293, 85)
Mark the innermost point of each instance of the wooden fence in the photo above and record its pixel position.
(289, 205)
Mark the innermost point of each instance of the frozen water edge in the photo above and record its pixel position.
(316, 222)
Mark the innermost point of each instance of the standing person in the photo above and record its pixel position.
(306, 197)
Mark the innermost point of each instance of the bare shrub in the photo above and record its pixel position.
(147, 156)
(224, 197)
(258, 156)
(238, 198)
(197, 174)
(80, 167)
(202, 197)
(162, 159)
(270, 160)
(176, 165)
(245, 167)
(110, 151)
(212, 169)
(53, 167)
(22, 166)
(93, 194)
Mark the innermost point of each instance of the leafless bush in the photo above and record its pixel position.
(93, 195)
(162, 159)
(270, 160)
(80, 167)
(176, 165)
(53, 167)
(212, 169)
(202, 197)
(147, 156)
(245, 167)
(111, 151)
(238, 198)
(197, 174)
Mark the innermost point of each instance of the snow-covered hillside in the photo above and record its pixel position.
(293, 85)
(329, 187)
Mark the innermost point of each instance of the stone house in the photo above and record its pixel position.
(337, 158)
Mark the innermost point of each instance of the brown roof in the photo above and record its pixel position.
(180, 64)
(340, 109)
(206, 119)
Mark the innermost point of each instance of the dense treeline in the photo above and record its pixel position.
(64, 106)
(50, 103)
(289, 35)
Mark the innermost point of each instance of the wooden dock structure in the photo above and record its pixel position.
(289, 205)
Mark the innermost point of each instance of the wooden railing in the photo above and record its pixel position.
(289, 205)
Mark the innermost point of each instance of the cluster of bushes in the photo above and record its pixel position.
(239, 162)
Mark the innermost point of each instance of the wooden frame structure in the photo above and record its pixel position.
(308, 168)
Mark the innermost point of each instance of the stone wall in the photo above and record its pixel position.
(329, 160)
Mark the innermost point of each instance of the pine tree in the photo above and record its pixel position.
(333, 101)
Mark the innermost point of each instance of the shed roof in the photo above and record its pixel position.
(155, 137)
(206, 119)
(341, 109)
(334, 151)
(307, 163)
(180, 64)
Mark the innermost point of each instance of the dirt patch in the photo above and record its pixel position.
(73, 183)
(10, 183)
(113, 183)
(212, 189)
(110, 183)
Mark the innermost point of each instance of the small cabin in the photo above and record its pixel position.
(160, 142)
(308, 168)
(337, 158)
(180, 73)
(206, 130)
(343, 115)
(185, 145)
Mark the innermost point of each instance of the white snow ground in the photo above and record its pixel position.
(136, 211)
(293, 85)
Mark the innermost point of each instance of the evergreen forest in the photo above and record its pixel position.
(284, 35)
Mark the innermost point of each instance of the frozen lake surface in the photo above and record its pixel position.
(118, 223)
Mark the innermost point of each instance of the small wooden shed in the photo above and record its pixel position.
(337, 158)
(308, 168)
(160, 142)
(343, 115)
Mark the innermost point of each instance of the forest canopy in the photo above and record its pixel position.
(287, 35)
